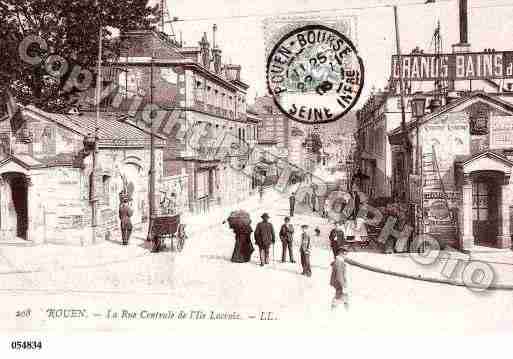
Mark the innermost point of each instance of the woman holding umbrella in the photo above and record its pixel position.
(240, 223)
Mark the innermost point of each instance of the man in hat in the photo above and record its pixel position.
(125, 212)
(287, 238)
(264, 237)
(292, 203)
(336, 237)
(305, 251)
(338, 278)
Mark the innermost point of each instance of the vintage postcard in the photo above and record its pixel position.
(202, 167)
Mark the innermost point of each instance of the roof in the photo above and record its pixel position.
(113, 130)
(498, 154)
(479, 95)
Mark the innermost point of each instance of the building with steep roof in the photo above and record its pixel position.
(46, 174)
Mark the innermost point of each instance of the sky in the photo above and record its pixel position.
(241, 38)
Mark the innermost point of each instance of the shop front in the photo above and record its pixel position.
(485, 186)
(464, 160)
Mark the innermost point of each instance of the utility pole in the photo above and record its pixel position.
(403, 115)
(151, 201)
(92, 179)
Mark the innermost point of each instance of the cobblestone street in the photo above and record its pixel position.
(202, 277)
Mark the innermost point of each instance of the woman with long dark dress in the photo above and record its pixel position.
(243, 246)
(241, 226)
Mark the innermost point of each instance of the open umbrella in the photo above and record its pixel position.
(239, 219)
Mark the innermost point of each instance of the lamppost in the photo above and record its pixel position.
(418, 107)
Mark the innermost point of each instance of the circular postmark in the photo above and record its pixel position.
(314, 74)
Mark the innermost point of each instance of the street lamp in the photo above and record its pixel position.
(418, 108)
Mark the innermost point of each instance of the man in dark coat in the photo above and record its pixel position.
(264, 237)
(336, 238)
(287, 239)
(125, 212)
(292, 203)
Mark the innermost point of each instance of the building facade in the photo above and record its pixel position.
(465, 156)
(46, 176)
(201, 111)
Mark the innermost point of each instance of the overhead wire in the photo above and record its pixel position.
(303, 12)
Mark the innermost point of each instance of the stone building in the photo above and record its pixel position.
(465, 156)
(46, 174)
(197, 95)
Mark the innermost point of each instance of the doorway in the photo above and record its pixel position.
(485, 208)
(14, 221)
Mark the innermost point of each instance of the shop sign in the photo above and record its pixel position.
(462, 66)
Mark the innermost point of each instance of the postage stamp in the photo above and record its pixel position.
(315, 74)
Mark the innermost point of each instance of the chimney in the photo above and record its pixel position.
(233, 72)
(205, 51)
(216, 52)
(464, 13)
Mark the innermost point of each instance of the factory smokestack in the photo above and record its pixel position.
(463, 14)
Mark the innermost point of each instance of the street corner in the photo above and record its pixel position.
(479, 272)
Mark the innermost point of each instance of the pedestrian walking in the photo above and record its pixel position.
(338, 279)
(287, 239)
(336, 237)
(264, 237)
(305, 251)
(125, 212)
(292, 203)
(315, 200)
(261, 192)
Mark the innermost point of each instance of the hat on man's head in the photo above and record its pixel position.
(265, 216)
(287, 219)
(304, 226)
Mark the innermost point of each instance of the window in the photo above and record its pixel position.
(202, 184)
(106, 190)
(479, 201)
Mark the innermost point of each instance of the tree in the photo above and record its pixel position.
(70, 29)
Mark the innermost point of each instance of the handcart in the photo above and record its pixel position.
(168, 227)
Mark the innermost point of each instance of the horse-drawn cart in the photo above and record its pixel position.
(168, 227)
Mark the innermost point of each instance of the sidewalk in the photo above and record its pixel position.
(448, 267)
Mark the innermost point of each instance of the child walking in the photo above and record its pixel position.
(305, 251)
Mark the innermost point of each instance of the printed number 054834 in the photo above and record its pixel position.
(26, 345)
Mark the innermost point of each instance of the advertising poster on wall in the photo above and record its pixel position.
(441, 212)
(501, 132)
